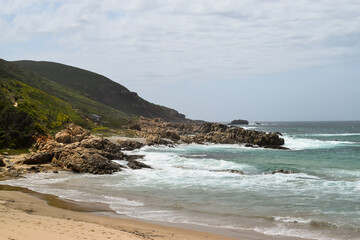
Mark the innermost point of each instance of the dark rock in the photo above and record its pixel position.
(132, 157)
(230, 171)
(277, 147)
(171, 135)
(137, 165)
(86, 162)
(135, 126)
(158, 141)
(129, 145)
(38, 158)
(282, 171)
(34, 169)
(55, 171)
(2, 163)
(239, 122)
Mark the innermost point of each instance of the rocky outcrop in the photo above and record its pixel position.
(137, 165)
(282, 171)
(71, 134)
(239, 122)
(229, 171)
(2, 163)
(159, 132)
(219, 133)
(85, 161)
(38, 158)
(75, 149)
(129, 144)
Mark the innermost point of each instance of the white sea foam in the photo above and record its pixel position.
(281, 230)
(296, 143)
(292, 220)
(333, 134)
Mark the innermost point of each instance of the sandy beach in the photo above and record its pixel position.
(27, 215)
(23, 216)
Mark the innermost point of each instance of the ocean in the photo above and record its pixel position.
(320, 200)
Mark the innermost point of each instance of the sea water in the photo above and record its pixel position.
(320, 200)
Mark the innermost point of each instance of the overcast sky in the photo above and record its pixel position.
(215, 60)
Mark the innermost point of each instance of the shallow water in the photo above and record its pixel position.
(321, 200)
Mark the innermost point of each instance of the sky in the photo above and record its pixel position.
(261, 60)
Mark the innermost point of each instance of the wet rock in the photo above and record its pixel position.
(2, 163)
(86, 162)
(38, 158)
(229, 171)
(282, 171)
(129, 145)
(137, 165)
(157, 131)
(55, 171)
(239, 122)
(158, 141)
(277, 147)
(13, 173)
(34, 169)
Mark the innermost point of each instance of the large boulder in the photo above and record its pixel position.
(129, 144)
(239, 122)
(133, 164)
(86, 161)
(38, 158)
(2, 163)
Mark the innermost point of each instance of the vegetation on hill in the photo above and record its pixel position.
(25, 110)
(101, 89)
(79, 102)
(32, 104)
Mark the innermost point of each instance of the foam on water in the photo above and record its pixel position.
(333, 134)
(282, 230)
(183, 187)
(296, 143)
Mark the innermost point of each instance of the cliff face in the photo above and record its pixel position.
(102, 90)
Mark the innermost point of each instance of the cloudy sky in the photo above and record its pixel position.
(215, 60)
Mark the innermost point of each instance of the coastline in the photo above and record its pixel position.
(47, 216)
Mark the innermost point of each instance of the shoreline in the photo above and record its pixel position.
(38, 205)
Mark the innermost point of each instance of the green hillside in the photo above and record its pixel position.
(25, 110)
(82, 104)
(101, 89)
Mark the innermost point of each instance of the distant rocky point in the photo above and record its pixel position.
(239, 122)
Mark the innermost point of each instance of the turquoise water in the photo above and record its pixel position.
(320, 200)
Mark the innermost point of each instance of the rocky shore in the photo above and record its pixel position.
(75, 149)
(158, 131)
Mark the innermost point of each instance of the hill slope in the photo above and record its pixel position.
(25, 110)
(101, 89)
(78, 101)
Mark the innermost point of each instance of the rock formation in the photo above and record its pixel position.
(75, 149)
(161, 132)
(239, 122)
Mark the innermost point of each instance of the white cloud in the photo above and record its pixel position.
(170, 40)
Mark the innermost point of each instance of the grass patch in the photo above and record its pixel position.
(14, 151)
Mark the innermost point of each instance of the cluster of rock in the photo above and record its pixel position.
(75, 149)
(239, 122)
(158, 131)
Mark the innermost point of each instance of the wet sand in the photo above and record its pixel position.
(25, 214)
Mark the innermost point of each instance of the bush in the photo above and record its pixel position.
(16, 128)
